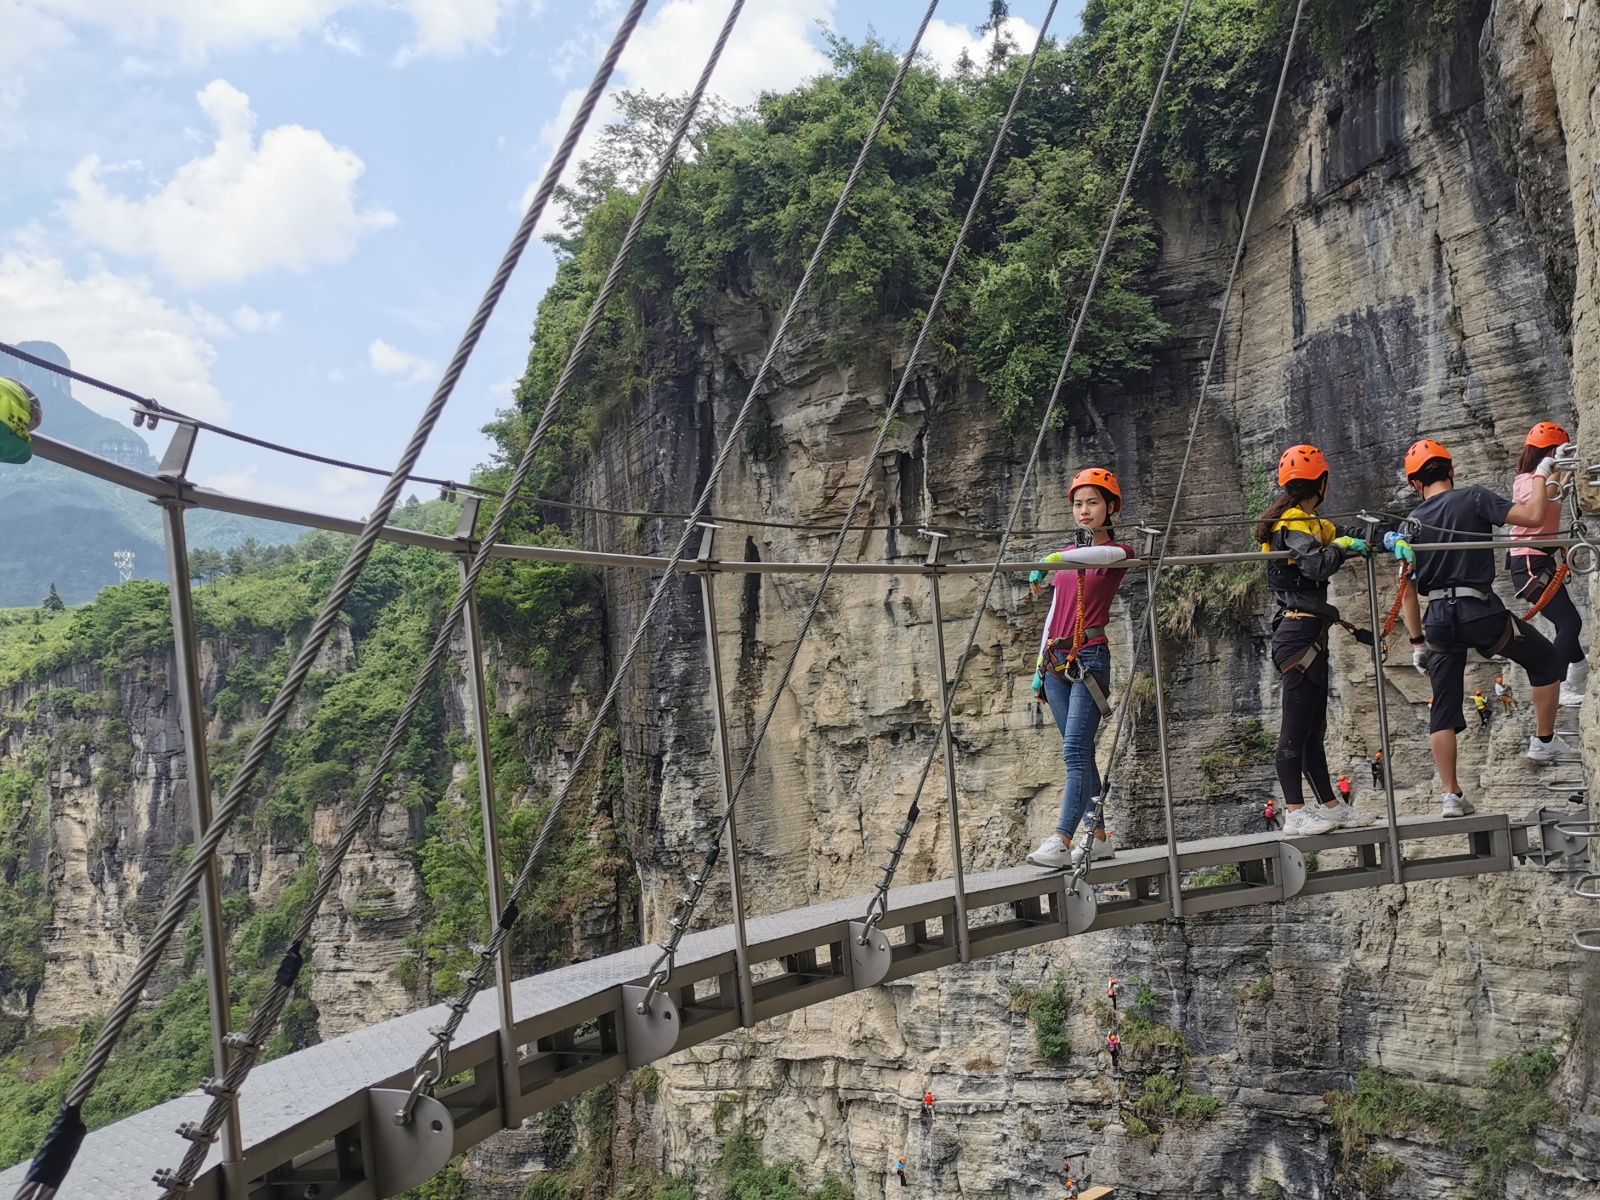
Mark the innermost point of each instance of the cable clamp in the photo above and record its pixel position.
(171, 1181)
(219, 1088)
(241, 1043)
(196, 1132)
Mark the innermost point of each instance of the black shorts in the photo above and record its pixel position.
(1455, 626)
(1290, 640)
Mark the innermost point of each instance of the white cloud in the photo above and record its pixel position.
(112, 326)
(341, 493)
(287, 202)
(773, 48)
(449, 27)
(387, 360)
(944, 42)
(196, 27)
(248, 320)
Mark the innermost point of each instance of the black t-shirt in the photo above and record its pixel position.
(1463, 514)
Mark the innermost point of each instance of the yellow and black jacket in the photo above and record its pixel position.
(1300, 582)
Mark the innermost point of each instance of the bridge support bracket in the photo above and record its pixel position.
(1291, 869)
(1079, 905)
(651, 1034)
(871, 962)
(407, 1156)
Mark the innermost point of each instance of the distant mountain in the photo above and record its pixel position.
(63, 527)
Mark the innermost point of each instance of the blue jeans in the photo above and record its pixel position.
(1078, 718)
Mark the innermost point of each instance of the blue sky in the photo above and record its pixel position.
(279, 214)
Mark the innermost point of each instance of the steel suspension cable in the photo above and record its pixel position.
(54, 1158)
(661, 970)
(265, 1019)
(1194, 422)
(430, 1065)
(879, 904)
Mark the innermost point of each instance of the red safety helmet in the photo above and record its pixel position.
(1421, 453)
(1102, 479)
(1545, 435)
(1301, 462)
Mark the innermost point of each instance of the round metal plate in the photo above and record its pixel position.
(871, 962)
(650, 1034)
(407, 1156)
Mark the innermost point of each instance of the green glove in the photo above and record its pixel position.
(1402, 548)
(1036, 577)
(1352, 545)
(1038, 683)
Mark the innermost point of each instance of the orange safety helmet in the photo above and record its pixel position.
(1099, 478)
(1301, 462)
(1545, 435)
(1421, 453)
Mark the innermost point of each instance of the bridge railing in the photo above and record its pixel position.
(584, 1026)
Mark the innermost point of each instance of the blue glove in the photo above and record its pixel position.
(1401, 548)
(1353, 545)
(1038, 683)
(1036, 577)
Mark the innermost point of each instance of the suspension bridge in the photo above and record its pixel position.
(366, 1115)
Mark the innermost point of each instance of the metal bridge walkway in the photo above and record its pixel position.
(313, 1130)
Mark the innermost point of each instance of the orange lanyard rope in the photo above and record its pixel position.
(1399, 599)
(1550, 589)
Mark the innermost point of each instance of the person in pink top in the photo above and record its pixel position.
(1073, 671)
(1533, 567)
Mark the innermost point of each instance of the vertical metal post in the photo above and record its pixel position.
(1396, 868)
(963, 942)
(1174, 884)
(191, 715)
(719, 708)
(510, 1075)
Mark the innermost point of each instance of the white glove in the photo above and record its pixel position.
(1546, 468)
(1419, 657)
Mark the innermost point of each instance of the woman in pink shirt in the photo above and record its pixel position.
(1532, 567)
(1073, 671)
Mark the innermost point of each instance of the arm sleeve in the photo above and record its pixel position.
(1091, 556)
(1044, 636)
(1491, 506)
(1315, 560)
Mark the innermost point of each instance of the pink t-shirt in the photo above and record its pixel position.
(1099, 587)
(1521, 493)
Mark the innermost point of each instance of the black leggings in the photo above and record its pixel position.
(1305, 711)
(1563, 613)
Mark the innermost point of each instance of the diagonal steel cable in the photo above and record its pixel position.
(60, 1146)
(698, 882)
(266, 1017)
(879, 904)
(430, 1066)
(1125, 708)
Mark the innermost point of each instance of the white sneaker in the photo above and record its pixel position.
(1052, 852)
(1555, 750)
(1098, 850)
(1307, 822)
(1453, 806)
(1572, 687)
(1345, 817)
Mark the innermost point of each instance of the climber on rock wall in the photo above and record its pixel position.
(1534, 568)
(1463, 611)
(1073, 670)
(1482, 705)
(1300, 636)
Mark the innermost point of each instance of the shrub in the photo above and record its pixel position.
(1050, 1010)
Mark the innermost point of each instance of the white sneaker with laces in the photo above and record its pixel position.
(1307, 822)
(1098, 850)
(1454, 806)
(1555, 750)
(1052, 852)
(1346, 817)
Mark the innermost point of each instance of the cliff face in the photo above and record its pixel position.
(1422, 263)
